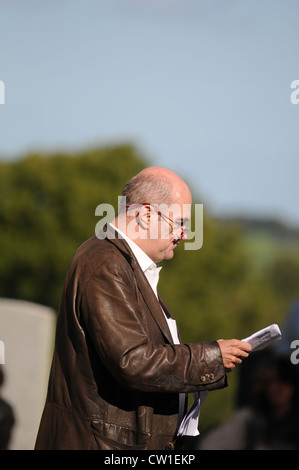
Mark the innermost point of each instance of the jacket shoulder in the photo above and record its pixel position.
(95, 253)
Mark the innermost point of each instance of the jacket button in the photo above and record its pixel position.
(203, 378)
(170, 446)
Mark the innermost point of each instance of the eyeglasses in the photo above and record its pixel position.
(176, 227)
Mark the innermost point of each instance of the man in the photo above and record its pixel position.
(119, 373)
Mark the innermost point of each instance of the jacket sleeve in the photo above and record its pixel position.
(116, 326)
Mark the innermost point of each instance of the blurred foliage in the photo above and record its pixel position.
(47, 209)
(238, 282)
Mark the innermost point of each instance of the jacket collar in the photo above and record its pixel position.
(146, 291)
(143, 259)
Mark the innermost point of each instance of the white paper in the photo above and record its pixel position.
(264, 337)
(189, 424)
(259, 340)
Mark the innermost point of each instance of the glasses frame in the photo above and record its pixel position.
(184, 229)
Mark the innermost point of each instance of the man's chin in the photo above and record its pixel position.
(169, 254)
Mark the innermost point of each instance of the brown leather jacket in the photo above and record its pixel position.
(116, 375)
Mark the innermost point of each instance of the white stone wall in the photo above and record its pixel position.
(27, 332)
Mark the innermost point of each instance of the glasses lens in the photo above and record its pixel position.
(181, 232)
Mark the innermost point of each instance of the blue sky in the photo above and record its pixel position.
(199, 86)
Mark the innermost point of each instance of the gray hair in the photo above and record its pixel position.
(148, 189)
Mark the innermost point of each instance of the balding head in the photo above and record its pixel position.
(155, 205)
(155, 185)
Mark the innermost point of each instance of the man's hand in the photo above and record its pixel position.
(233, 351)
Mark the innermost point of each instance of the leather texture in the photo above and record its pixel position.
(116, 375)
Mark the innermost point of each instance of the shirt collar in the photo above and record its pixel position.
(143, 259)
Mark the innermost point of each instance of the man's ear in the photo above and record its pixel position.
(143, 217)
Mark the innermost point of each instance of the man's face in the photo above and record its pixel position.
(168, 227)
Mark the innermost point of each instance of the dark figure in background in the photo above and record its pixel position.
(7, 419)
(287, 347)
(270, 422)
(290, 332)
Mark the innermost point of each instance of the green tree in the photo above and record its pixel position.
(47, 209)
